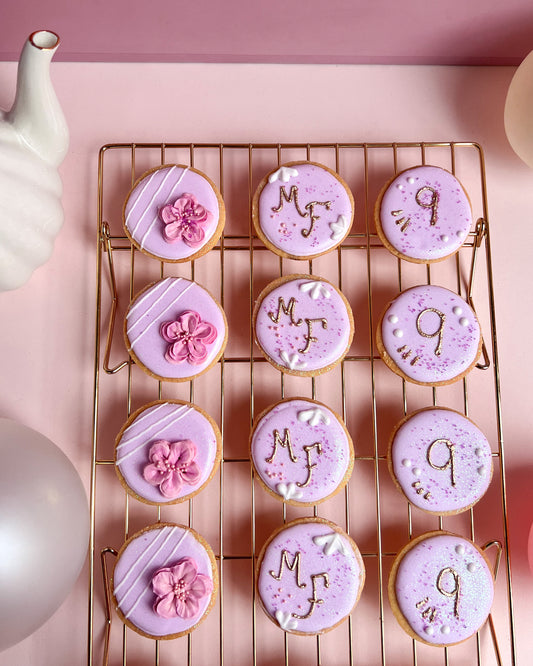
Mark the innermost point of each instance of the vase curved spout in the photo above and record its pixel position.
(33, 143)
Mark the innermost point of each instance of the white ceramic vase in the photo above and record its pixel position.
(33, 142)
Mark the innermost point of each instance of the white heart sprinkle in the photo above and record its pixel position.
(286, 621)
(284, 174)
(292, 361)
(332, 544)
(315, 289)
(313, 416)
(289, 490)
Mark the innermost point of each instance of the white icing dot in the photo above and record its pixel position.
(444, 238)
(460, 233)
(460, 549)
(445, 629)
(417, 471)
(471, 567)
(463, 321)
(481, 471)
(400, 187)
(457, 310)
(398, 333)
(406, 462)
(410, 180)
(429, 631)
(479, 452)
(393, 319)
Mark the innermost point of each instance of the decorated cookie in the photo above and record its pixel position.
(301, 451)
(429, 335)
(310, 575)
(174, 213)
(441, 588)
(165, 581)
(175, 330)
(302, 210)
(440, 460)
(303, 324)
(167, 451)
(423, 214)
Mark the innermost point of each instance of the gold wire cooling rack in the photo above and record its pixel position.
(234, 514)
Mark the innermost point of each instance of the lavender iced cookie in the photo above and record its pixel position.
(165, 581)
(423, 214)
(441, 588)
(301, 451)
(310, 575)
(167, 452)
(174, 213)
(302, 210)
(175, 330)
(303, 324)
(440, 460)
(429, 335)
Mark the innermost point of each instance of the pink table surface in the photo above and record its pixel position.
(48, 368)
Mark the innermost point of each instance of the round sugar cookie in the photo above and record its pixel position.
(175, 330)
(303, 324)
(310, 575)
(302, 210)
(167, 452)
(429, 335)
(441, 588)
(165, 581)
(301, 451)
(174, 213)
(423, 214)
(440, 460)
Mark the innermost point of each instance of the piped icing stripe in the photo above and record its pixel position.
(135, 340)
(171, 196)
(148, 414)
(148, 587)
(180, 415)
(141, 217)
(168, 531)
(169, 286)
(150, 292)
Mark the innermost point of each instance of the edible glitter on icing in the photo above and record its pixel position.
(328, 587)
(294, 346)
(306, 217)
(435, 571)
(437, 208)
(445, 349)
(301, 451)
(449, 450)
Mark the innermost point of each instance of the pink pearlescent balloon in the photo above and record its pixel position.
(44, 530)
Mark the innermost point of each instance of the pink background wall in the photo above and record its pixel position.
(282, 31)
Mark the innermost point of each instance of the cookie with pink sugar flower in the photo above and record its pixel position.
(165, 581)
(175, 330)
(167, 452)
(174, 213)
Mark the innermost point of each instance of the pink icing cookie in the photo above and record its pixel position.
(302, 210)
(310, 575)
(423, 214)
(301, 451)
(441, 588)
(165, 581)
(429, 335)
(175, 330)
(167, 451)
(440, 460)
(303, 324)
(174, 213)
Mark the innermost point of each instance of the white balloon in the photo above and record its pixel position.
(44, 530)
(518, 115)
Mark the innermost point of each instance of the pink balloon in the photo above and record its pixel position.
(44, 530)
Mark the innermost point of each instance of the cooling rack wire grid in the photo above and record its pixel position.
(233, 513)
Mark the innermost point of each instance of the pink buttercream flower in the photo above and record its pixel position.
(184, 220)
(171, 466)
(179, 589)
(188, 336)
